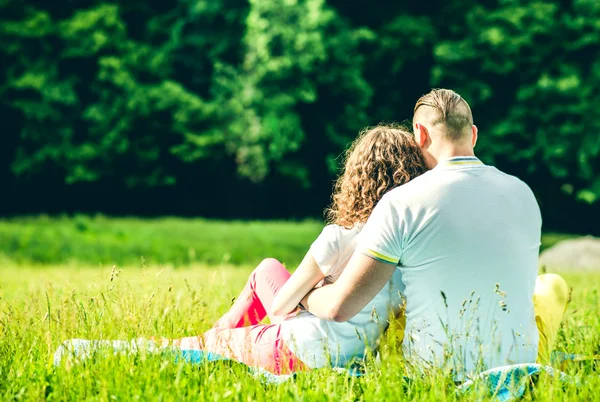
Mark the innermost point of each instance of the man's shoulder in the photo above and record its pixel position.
(509, 180)
(439, 180)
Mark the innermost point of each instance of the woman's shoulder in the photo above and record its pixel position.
(340, 235)
(333, 248)
(329, 235)
(333, 237)
(335, 229)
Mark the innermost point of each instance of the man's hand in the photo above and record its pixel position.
(359, 283)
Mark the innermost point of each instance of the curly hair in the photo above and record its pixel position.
(378, 160)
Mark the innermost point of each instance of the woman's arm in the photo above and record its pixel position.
(306, 276)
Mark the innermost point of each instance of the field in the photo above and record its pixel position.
(164, 241)
(43, 304)
(177, 242)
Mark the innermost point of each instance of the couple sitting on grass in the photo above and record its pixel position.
(420, 230)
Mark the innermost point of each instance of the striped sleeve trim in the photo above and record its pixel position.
(380, 257)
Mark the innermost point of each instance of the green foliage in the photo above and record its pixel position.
(97, 103)
(102, 101)
(287, 45)
(41, 308)
(139, 92)
(541, 118)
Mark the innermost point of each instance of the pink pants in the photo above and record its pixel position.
(239, 335)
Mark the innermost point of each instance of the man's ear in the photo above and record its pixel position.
(474, 136)
(421, 134)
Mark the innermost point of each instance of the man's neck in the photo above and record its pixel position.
(448, 152)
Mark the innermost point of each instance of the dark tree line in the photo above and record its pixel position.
(241, 108)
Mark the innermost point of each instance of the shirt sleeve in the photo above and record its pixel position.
(381, 238)
(325, 249)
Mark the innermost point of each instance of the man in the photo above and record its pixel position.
(465, 237)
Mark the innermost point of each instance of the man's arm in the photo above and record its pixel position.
(358, 284)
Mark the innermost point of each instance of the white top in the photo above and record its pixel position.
(320, 343)
(466, 238)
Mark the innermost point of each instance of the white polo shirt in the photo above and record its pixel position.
(465, 237)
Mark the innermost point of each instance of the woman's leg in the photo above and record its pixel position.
(255, 301)
(550, 299)
(257, 345)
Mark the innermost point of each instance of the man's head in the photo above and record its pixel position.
(443, 126)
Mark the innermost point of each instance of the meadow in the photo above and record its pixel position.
(133, 241)
(44, 303)
(99, 240)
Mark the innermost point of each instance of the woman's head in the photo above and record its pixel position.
(380, 159)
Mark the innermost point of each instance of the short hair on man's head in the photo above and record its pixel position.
(446, 108)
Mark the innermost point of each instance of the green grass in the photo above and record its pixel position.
(133, 241)
(42, 306)
(175, 277)
(175, 241)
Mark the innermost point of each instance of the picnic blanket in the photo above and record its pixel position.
(507, 383)
(78, 350)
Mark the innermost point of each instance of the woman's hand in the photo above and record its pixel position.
(302, 281)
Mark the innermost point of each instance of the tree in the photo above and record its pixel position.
(526, 68)
(149, 93)
(288, 48)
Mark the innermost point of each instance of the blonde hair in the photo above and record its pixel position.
(450, 110)
(380, 159)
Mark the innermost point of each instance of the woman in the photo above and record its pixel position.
(378, 160)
